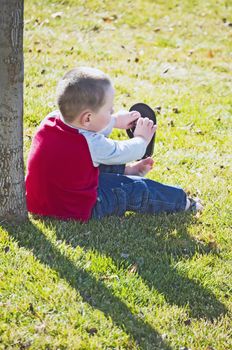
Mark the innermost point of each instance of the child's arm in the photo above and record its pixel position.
(110, 152)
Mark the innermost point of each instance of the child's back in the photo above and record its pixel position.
(61, 180)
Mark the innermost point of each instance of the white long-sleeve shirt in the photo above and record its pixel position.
(104, 150)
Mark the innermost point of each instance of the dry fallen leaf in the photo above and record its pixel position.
(199, 132)
(133, 268)
(92, 331)
(6, 249)
(57, 14)
(158, 109)
(210, 54)
(110, 19)
(212, 245)
(170, 122)
(175, 110)
(187, 322)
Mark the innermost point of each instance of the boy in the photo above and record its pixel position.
(63, 178)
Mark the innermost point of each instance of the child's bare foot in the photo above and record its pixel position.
(140, 168)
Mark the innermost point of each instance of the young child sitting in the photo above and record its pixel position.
(76, 172)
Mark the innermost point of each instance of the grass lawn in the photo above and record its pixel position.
(137, 282)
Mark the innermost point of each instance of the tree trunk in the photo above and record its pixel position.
(12, 189)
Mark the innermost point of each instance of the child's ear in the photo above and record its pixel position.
(85, 118)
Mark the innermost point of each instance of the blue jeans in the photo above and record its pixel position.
(118, 193)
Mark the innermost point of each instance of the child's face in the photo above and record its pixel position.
(102, 118)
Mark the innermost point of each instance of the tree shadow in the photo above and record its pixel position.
(155, 244)
(93, 291)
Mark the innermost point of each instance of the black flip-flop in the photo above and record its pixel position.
(146, 112)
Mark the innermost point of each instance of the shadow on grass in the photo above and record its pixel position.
(92, 291)
(155, 245)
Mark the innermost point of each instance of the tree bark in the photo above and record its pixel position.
(12, 188)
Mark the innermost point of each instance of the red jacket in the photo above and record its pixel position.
(61, 180)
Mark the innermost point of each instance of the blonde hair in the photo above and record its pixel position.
(81, 88)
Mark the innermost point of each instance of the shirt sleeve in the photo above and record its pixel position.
(107, 130)
(112, 152)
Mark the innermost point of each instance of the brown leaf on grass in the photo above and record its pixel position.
(199, 132)
(92, 331)
(212, 244)
(175, 110)
(109, 19)
(166, 70)
(136, 59)
(158, 109)
(46, 21)
(210, 54)
(187, 322)
(133, 269)
(96, 28)
(157, 29)
(31, 309)
(57, 14)
(228, 24)
(170, 122)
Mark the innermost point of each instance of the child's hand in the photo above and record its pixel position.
(126, 120)
(145, 128)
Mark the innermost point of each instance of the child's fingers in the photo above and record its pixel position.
(140, 122)
(135, 113)
(150, 123)
(134, 116)
(154, 128)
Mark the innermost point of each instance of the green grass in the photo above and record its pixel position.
(138, 282)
